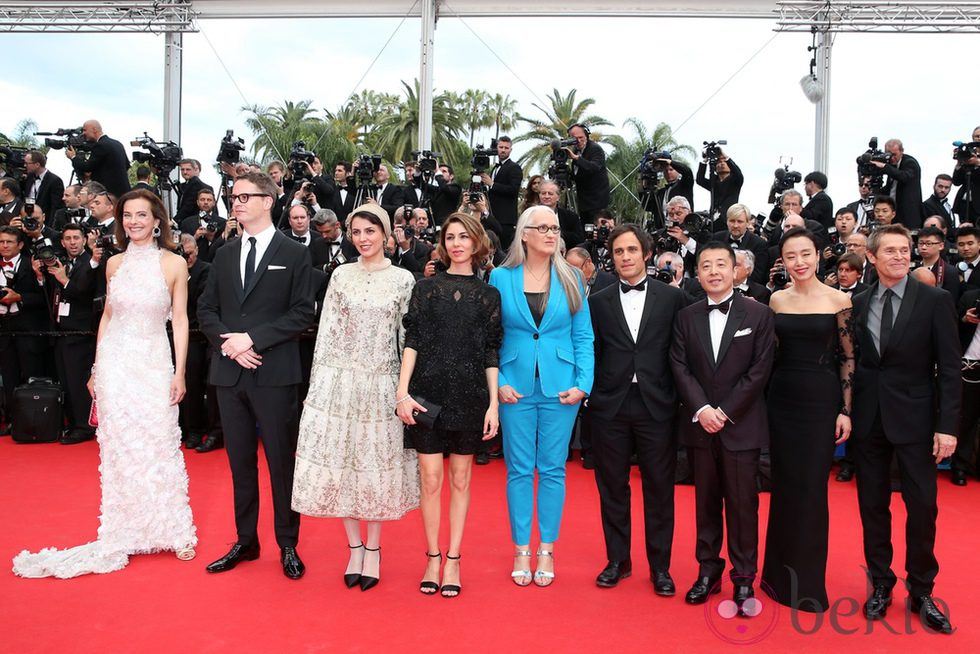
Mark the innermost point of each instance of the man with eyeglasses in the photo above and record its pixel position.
(857, 243)
(930, 246)
(572, 231)
(863, 207)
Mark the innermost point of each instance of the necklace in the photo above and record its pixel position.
(537, 278)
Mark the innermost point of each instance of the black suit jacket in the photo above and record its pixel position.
(969, 189)
(196, 283)
(908, 194)
(618, 357)
(274, 311)
(49, 194)
(504, 193)
(108, 164)
(951, 278)
(33, 314)
(321, 252)
(445, 200)
(757, 292)
(934, 207)
(391, 199)
(820, 208)
(342, 206)
(683, 187)
(571, 227)
(967, 330)
(726, 192)
(188, 198)
(736, 383)
(79, 294)
(754, 244)
(902, 383)
(591, 179)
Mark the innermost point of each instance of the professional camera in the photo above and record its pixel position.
(300, 162)
(481, 157)
(665, 274)
(865, 167)
(784, 180)
(966, 151)
(106, 238)
(229, 148)
(46, 254)
(12, 159)
(600, 235)
(161, 157)
(427, 161)
(430, 234)
(652, 168)
(838, 247)
(559, 171)
(780, 278)
(367, 165)
(68, 137)
(76, 215)
(212, 224)
(694, 223)
(712, 152)
(30, 223)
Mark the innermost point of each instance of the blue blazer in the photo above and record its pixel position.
(561, 348)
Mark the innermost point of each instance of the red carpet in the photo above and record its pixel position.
(49, 496)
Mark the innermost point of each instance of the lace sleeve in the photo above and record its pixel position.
(845, 356)
(412, 319)
(495, 332)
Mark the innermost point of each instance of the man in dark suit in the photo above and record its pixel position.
(389, 195)
(107, 161)
(968, 246)
(411, 253)
(740, 238)
(962, 462)
(143, 175)
(791, 203)
(205, 225)
(744, 284)
(632, 408)
(504, 182)
(11, 202)
(904, 184)
(72, 290)
(966, 175)
(725, 186)
(572, 231)
(41, 185)
(680, 182)
(333, 244)
(448, 195)
(193, 408)
(258, 300)
(820, 207)
(847, 275)
(907, 406)
(930, 244)
(344, 195)
(862, 207)
(721, 356)
(190, 170)
(938, 203)
(589, 172)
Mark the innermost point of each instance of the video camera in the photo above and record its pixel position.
(71, 137)
(367, 165)
(300, 162)
(785, 179)
(653, 167)
(712, 152)
(966, 151)
(161, 157)
(12, 159)
(664, 275)
(865, 167)
(481, 157)
(427, 160)
(229, 148)
(559, 171)
(693, 223)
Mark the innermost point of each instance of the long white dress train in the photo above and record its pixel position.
(145, 507)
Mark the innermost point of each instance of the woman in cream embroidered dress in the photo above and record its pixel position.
(145, 507)
(350, 459)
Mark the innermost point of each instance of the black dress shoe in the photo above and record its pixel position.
(663, 584)
(292, 566)
(587, 462)
(958, 477)
(846, 473)
(209, 443)
(877, 605)
(701, 589)
(497, 453)
(76, 436)
(367, 583)
(235, 555)
(742, 593)
(482, 458)
(613, 572)
(192, 442)
(930, 614)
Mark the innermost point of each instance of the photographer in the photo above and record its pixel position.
(333, 244)
(966, 175)
(41, 186)
(847, 275)
(597, 239)
(190, 170)
(680, 182)
(36, 234)
(589, 172)
(447, 196)
(475, 204)
(11, 204)
(844, 225)
(862, 207)
(885, 211)
(968, 245)
(929, 244)
(740, 238)
(968, 309)
(504, 184)
(72, 210)
(857, 243)
(727, 185)
(411, 252)
(681, 229)
(938, 203)
(72, 285)
(744, 268)
(206, 225)
(820, 207)
(106, 161)
(791, 202)
(572, 231)
(904, 183)
(389, 195)
(595, 279)
(343, 199)
(23, 309)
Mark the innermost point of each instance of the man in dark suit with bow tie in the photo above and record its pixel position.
(938, 203)
(721, 356)
(504, 182)
(41, 185)
(632, 407)
(107, 160)
(740, 238)
(332, 244)
(907, 407)
(258, 300)
(968, 246)
(820, 207)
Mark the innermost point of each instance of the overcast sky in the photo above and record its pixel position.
(905, 86)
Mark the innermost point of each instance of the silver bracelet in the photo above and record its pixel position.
(407, 397)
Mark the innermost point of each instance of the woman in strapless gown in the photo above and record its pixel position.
(809, 406)
(145, 506)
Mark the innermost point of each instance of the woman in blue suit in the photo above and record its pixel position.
(546, 364)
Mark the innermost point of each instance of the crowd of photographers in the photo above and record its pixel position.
(55, 239)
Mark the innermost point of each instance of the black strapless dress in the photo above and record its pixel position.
(810, 386)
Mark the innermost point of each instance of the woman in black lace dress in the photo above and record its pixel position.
(809, 408)
(452, 338)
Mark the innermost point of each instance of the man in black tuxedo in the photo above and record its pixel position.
(938, 203)
(205, 225)
(193, 408)
(740, 238)
(904, 183)
(572, 231)
(820, 207)
(143, 174)
(72, 291)
(862, 207)
(968, 246)
(962, 462)
(11, 202)
(680, 182)
(504, 182)
(930, 244)
(258, 300)
(632, 407)
(847, 275)
(190, 171)
(71, 200)
(41, 185)
(790, 204)
(589, 172)
(727, 182)
(744, 284)
(721, 356)
(907, 406)
(344, 195)
(389, 195)
(448, 195)
(333, 244)
(107, 161)
(411, 253)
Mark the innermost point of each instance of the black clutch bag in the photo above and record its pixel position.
(426, 419)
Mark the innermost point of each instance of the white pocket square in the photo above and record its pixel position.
(271, 267)
(743, 332)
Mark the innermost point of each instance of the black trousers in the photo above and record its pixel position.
(966, 444)
(74, 356)
(275, 410)
(726, 479)
(193, 411)
(917, 467)
(613, 443)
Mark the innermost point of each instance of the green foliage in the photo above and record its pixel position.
(562, 114)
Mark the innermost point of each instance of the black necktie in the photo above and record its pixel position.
(626, 288)
(250, 263)
(886, 321)
(722, 306)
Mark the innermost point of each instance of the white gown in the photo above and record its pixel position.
(145, 507)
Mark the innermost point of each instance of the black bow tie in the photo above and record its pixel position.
(299, 239)
(735, 241)
(626, 288)
(722, 306)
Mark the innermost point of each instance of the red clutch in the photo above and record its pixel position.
(93, 415)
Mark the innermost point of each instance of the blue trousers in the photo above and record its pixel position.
(537, 431)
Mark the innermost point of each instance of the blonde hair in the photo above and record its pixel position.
(569, 277)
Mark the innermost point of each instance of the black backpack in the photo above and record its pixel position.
(37, 411)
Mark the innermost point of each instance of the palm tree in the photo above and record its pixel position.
(502, 110)
(624, 162)
(472, 105)
(562, 114)
(397, 131)
(23, 135)
(278, 128)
